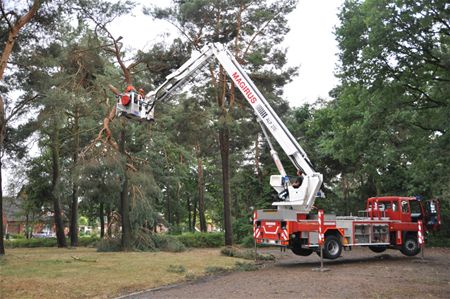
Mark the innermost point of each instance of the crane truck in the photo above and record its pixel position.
(393, 222)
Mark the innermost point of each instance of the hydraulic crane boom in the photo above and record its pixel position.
(138, 106)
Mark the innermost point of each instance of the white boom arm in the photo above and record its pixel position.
(302, 198)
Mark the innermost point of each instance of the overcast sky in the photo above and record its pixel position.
(311, 44)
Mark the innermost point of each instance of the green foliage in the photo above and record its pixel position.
(88, 241)
(201, 240)
(244, 267)
(215, 270)
(248, 241)
(242, 228)
(168, 243)
(176, 269)
(47, 242)
(109, 245)
(247, 254)
(31, 243)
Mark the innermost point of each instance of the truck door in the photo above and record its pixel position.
(432, 215)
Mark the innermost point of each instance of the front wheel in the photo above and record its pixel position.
(410, 246)
(332, 247)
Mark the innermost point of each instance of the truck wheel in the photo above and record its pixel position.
(332, 248)
(301, 251)
(378, 249)
(410, 246)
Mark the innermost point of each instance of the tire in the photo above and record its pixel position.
(301, 251)
(378, 249)
(332, 248)
(410, 246)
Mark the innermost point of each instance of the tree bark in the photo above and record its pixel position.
(189, 213)
(108, 221)
(124, 199)
(74, 204)
(102, 220)
(2, 232)
(225, 155)
(194, 217)
(55, 198)
(201, 190)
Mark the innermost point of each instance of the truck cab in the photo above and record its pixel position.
(405, 209)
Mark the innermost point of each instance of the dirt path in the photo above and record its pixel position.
(358, 274)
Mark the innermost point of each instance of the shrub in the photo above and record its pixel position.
(247, 254)
(242, 228)
(202, 240)
(248, 242)
(143, 241)
(31, 243)
(215, 270)
(246, 267)
(168, 243)
(109, 245)
(176, 269)
(88, 241)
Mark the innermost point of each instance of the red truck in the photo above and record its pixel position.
(390, 222)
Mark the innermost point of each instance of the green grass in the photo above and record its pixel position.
(83, 272)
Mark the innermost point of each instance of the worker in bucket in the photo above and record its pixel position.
(297, 183)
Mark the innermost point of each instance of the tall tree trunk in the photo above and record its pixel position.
(55, 198)
(201, 190)
(6, 53)
(2, 232)
(346, 192)
(74, 204)
(189, 208)
(102, 220)
(194, 217)
(169, 207)
(108, 220)
(225, 155)
(257, 162)
(124, 199)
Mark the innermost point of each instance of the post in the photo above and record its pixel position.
(321, 237)
(255, 234)
(321, 240)
(420, 238)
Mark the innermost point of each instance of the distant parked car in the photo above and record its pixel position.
(43, 235)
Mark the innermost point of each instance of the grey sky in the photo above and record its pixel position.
(311, 44)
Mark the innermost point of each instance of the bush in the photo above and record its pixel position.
(247, 254)
(109, 245)
(16, 236)
(176, 269)
(31, 243)
(248, 242)
(438, 240)
(88, 241)
(242, 229)
(168, 243)
(202, 240)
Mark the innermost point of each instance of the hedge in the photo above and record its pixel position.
(202, 240)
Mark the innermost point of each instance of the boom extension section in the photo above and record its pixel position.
(300, 199)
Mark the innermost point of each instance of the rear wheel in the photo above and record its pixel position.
(410, 246)
(332, 248)
(301, 251)
(378, 249)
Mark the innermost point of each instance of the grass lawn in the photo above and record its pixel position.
(83, 272)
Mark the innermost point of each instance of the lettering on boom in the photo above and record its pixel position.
(244, 88)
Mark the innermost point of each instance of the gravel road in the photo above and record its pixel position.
(359, 273)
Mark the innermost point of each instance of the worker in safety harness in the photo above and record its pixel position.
(297, 183)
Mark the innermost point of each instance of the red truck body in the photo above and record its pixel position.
(387, 222)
